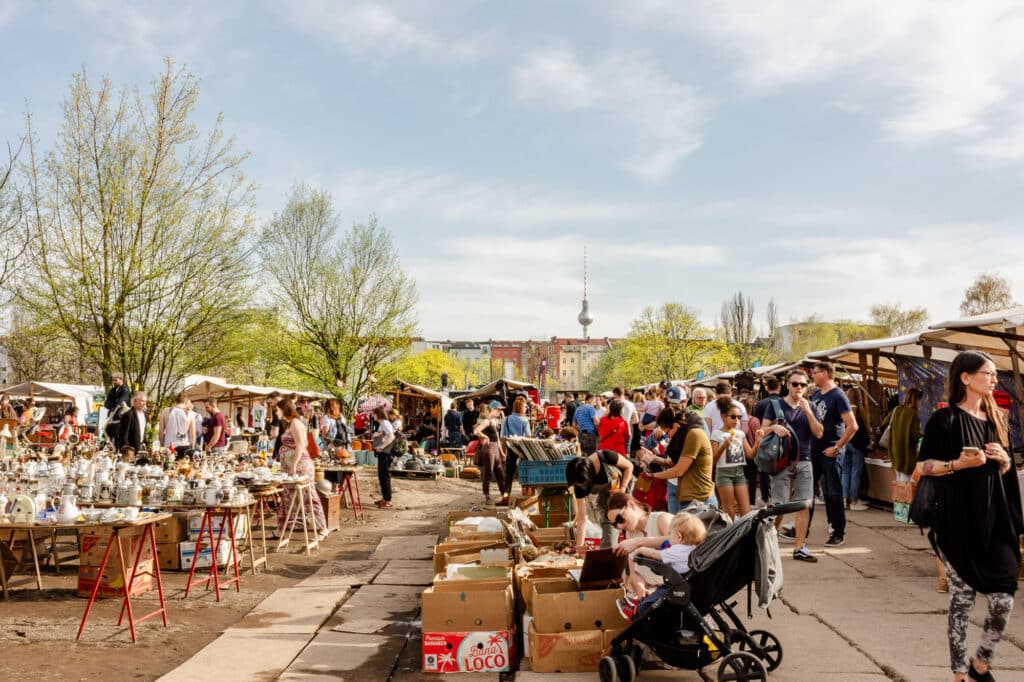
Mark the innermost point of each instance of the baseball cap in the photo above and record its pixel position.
(675, 394)
(495, 405)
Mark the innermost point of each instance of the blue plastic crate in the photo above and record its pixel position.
(542, 473)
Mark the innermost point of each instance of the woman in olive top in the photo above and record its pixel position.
(687, 459)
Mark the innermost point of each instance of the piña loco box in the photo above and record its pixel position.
(468, 631)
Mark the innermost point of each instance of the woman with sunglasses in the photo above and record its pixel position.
(643, 528)
(731, 451)
(980, 522)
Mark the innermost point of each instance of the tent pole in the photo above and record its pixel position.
(1018, 383)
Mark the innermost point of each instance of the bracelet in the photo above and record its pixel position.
(952, 467)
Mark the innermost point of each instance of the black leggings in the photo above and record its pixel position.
(384, 474)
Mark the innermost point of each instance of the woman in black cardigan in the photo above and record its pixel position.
(978, 533)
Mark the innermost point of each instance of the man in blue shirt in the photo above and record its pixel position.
(832, 408)
(585, 420)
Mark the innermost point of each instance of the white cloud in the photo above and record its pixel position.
(478, 203)
(659, 118)
(947, 70)
(370, 30)
(8, 9)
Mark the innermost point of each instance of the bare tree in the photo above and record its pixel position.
(738, 327)
(897, 320)
(772, 318)
(348, 308)
(139, 230)
(988, 292)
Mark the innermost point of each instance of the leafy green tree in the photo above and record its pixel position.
(898, 321)
(989, 292)
(139, 226)
(668, 342)
(346, 306)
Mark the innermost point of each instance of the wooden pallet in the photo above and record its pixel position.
(402, 473)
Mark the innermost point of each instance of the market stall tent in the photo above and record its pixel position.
(498, 389)
(81, 395)
(418, 404)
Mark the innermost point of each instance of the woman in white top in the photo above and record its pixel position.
(731, 450)
(643, 528)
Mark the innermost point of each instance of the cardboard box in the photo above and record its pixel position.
(554, 519)
(565, 652)
(93, 545)
(168, 554)
(903, 491)
(441, 551)
(548, 537)
(556, 608)
(174, 529)
(484, 651)
(561, 584)
(469, 610)
(475, 578)
(195, 519)
(332, 509)
(186, 550)
(112, 582)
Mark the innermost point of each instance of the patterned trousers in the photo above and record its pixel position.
(961, 601)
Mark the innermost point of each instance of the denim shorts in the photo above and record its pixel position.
(731, 476)
(800, 478)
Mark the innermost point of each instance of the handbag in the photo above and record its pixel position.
(651, 491)
(886, 440)
(929, 499)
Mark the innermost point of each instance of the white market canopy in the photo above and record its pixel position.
(496, 387)
(997, 333)
(46, 391)
(200, 387)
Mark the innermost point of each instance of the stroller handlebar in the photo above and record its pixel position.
(784, 508)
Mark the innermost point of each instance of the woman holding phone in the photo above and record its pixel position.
(978, 533)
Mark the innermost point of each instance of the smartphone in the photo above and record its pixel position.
(971, 450)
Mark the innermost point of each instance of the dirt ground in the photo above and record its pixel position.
(37, 628)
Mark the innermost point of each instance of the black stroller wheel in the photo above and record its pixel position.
(626, 668)
(741, 666)
(607, 670)
(638, 656)
(770, 649)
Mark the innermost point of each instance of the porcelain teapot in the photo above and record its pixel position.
(211, 496)
(175, 491)
(68, 512)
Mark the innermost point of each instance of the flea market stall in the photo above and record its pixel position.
(238, 402)
(421, 408)
(55, 398)
(888, 367)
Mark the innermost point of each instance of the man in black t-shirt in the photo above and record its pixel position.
(568, 409)
(469, 417)
(774, 388)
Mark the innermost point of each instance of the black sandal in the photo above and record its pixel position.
(981, 677)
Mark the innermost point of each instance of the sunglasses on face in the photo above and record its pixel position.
(797, 384)
(733, 416)
(619, 520)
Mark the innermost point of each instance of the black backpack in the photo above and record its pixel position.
(775, 452)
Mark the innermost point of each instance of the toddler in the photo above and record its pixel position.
(686, 531)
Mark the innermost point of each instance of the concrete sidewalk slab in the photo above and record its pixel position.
(241, 655)
(294, 609)
(406, 572)
(343, 573)
(338, 655)
(406, 547)
(375, 608)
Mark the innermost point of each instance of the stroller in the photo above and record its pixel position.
(676, 626)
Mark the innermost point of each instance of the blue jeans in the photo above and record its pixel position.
(832, 491)
(851, 469)
(673, 501)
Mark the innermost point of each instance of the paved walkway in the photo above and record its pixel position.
(867, 612)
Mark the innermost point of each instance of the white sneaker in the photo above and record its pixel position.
(858, 506)
(818, 499)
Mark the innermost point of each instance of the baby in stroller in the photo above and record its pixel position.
(686, 531)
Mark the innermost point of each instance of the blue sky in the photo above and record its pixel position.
(827, 155)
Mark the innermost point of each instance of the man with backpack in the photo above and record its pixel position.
(793, 418)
